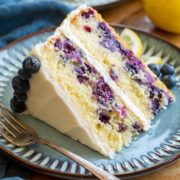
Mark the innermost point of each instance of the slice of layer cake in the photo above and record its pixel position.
(89, 87)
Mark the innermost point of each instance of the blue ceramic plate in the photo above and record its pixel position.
(148, 151)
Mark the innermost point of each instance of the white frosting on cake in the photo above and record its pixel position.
(48, 102)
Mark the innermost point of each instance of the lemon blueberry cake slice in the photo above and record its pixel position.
(69, 86)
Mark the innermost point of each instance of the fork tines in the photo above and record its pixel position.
(14, 130)
(9, 123)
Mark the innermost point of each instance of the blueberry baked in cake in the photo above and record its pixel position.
(84, 82)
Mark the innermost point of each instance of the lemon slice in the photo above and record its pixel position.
(151, 59)
(133, 41)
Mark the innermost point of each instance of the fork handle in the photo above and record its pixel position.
(98, 172)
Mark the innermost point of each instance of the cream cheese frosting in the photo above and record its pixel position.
(48, 102)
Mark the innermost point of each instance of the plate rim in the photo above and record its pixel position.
(53, 172)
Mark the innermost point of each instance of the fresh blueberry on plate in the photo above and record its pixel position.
(31, 64)
(20, 85)
(23, 74)
(155, 69)
(17, 106)
(21, 97)
(169, 80)
(167, 69)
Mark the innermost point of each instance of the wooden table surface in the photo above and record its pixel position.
(132, 13)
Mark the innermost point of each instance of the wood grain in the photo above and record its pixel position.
(132, 13)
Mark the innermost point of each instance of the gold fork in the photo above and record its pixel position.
(20, 134)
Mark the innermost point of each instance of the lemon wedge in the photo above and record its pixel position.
(151, 59)
(133, 41)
